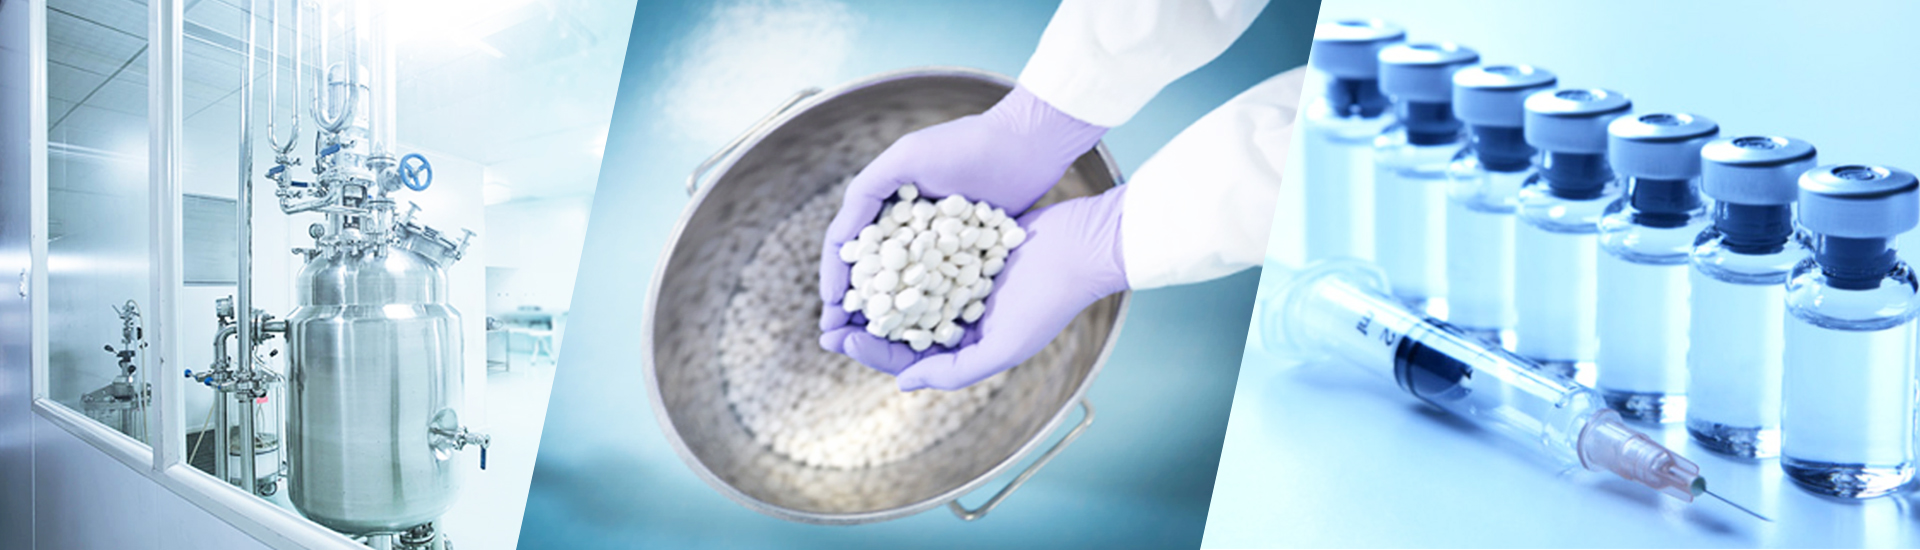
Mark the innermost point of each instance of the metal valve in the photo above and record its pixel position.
(415, 172)
(126, 358)
(458, 440)
(465, 437)
(460, 250)
(450, 436)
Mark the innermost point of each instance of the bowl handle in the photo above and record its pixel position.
(977, 513)
(693, 180)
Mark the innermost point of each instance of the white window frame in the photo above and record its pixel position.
(162, 462)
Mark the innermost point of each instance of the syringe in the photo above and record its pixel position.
(1340, 310)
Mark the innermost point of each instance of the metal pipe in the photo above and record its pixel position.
(220, 437)
(319, 73)
(248, 475)
(374, 29)
(243, 295)
(220, 346)
(321, 86)
(273, 81)
(219, 427)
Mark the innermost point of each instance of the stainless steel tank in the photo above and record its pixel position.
(374, 379)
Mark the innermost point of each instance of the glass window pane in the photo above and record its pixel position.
(97, 238)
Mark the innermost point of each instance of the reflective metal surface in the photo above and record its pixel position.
(375, 357)
(682, 367)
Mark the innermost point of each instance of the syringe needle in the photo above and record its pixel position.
(1741, 508)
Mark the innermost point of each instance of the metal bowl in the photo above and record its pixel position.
(753, 190)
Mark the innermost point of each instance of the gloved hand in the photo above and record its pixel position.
(1071, 258)
(1008, 156)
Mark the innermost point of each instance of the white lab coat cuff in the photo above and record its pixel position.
(1203, 206)
(1102, 60)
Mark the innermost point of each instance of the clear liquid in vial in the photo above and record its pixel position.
(1338, 158)
(1735, 365)
(1643, 375)
(1847, 418)
(1555, 295)
(1410, 235)
(1479, 268)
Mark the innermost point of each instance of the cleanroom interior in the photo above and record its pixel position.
(510, 102)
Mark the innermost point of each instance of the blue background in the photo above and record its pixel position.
(1140, 477)
(1329, 456)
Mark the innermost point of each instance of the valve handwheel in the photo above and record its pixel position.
(416, 172)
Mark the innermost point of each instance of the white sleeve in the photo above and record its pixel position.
(1202, 207)
(1101, 60)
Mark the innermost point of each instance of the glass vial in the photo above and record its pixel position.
(1483, 189)
(1338, 135)
(1410, 167)
(1847, 407)
(1738, 297)
(1560, 208)
(1644, 241)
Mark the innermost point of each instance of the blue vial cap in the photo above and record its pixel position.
(1349, 48)
(1573, 120)
(1859, 201)
(1659, 145)
(1423, 72)
(1495, 95)
(1754, 170)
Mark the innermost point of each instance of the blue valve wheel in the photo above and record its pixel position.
(416, 172)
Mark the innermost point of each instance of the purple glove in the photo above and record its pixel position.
(1071, 259)
(1008, 156)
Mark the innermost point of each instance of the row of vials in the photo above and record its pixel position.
(1733, 283)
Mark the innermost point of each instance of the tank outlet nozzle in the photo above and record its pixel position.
(450, 436)
(466, 437)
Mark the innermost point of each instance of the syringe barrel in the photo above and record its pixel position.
(1339, 310)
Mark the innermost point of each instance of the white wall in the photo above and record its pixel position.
(16, 337)
(85, 499)
(534, 252)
